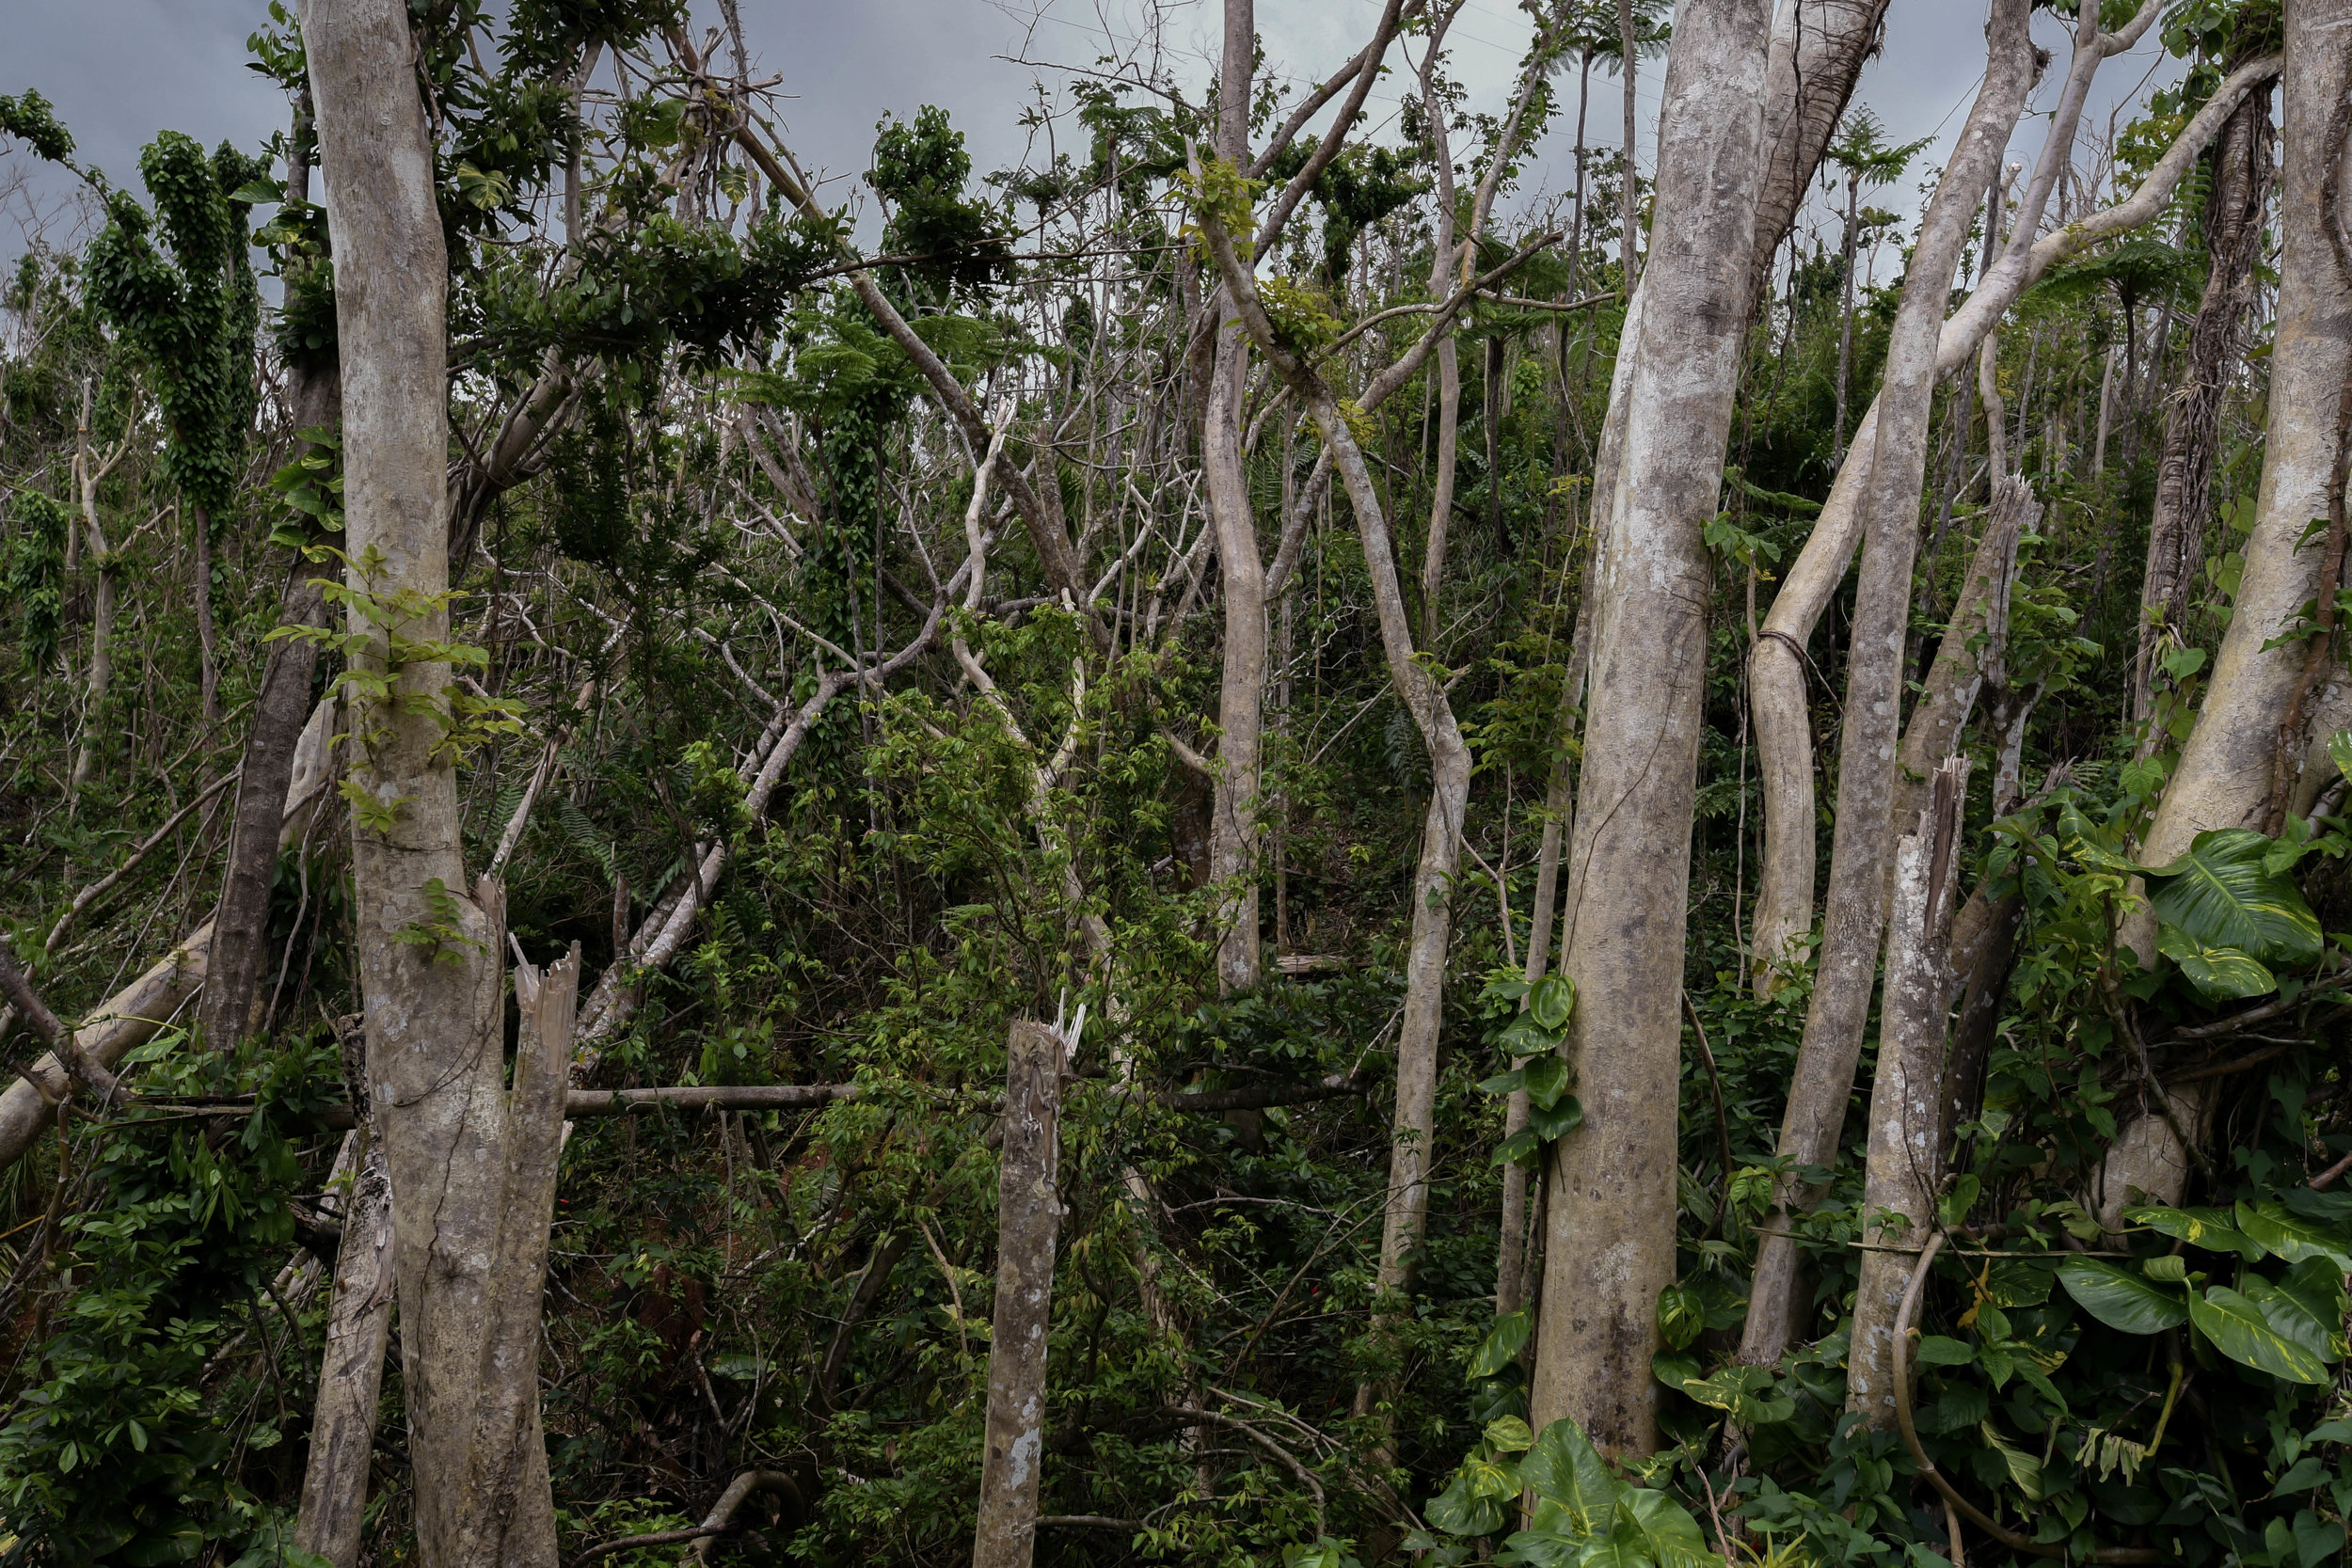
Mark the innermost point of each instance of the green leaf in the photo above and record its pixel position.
(1517, 1147)
(2025, 1471)
(1575, 1492)
(1555, 1122)
(1681, 1316)
(2220, 894)
(1745, 1393)
(2340, 748)
(1459, 1510)
(2222, 974)
(2240, 1330)
(2310, 1318)
(1938, 1351)
(1551, 1001)
(2119, 1298)
(2209, 1229)
(1503, 1344)
(1664, 1528)
(1508, 1433)
(2294, 1236)
(1547, 1079)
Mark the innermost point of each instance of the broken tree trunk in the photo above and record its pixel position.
(1906, 1159)
(1609, 1203)
(1028, 1217)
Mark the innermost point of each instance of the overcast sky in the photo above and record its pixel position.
(119, 70)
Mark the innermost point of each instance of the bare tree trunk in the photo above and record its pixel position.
(1442, 268)
(208, 651)
(1963, 670)
(1234, 834)
(1028, 1215)
(88, 471)
(2176, 530)
(1865, 784)
(351, 1368)
(1906, 1160)
(1817, 50)
(1609, 1205)
(1844, 314)
(1776, 664)
(1629, 205)
(430, 972)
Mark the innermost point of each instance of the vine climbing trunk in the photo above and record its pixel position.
(1610, 1204)
(2176, 529)
(430, 972)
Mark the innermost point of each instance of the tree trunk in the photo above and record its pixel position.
(1963, 668)
(207, 648)
(1241, 697)
(2224, 778)
(2176, 529)
(1845, 316)
(233, 1000)
(1906, 1160)
(1028, 1215)
(102, 662)
(1610, 1206)
(430, 972)
(1817, 54)
(351, 1367)
(1776, 664)
(1628, 202)
(1866, 765)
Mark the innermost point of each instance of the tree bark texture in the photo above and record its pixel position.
(1817, 50)
(1610, 1206)
(1867, 759)
(1028, 1217)
(2224, 778)
(431, 977)
(351, 1367)
(2235, 206)
(1906, 1158)
(1234, 832)
(1973, 653)
(233, 999)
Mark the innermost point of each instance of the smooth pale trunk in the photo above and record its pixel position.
(1233, 831)
(1906, 1160)
(437, 1077)
(2226, 770)
(1609, 1205)
(1028, 1216)
(1862, 842)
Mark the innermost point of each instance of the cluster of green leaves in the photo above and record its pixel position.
(160, 1397)
(1581, 1512)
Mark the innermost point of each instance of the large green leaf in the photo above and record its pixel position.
(2240, 1331)
(2209, 1229)
(2223, 974)
(2299, 1315)
(1460, 1509)
(1502, 1346)
(1671, 1537)
(1575, 1492)
(2121, 1299)
(2220, 895)
(2295, 1237)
